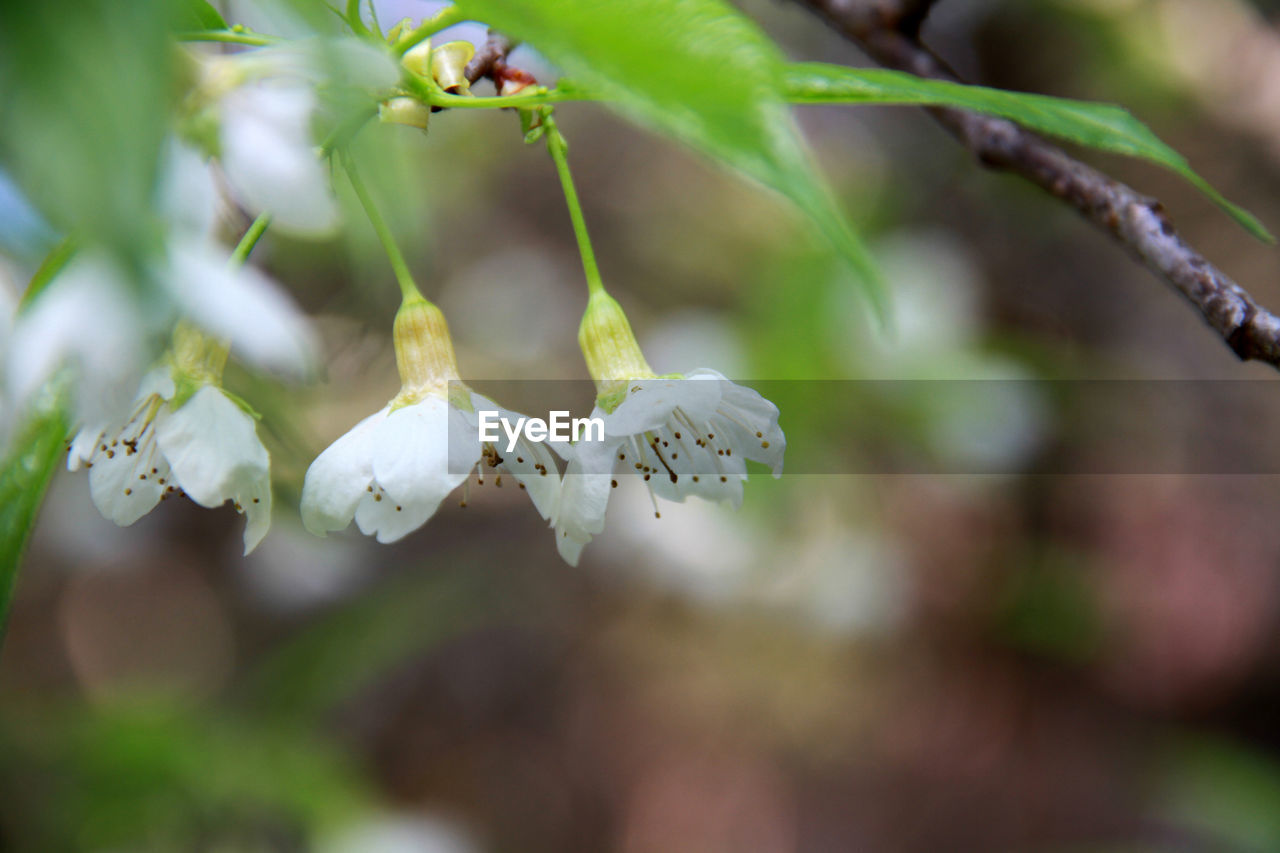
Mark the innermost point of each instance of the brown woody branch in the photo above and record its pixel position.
(491, 55)
(888, 31)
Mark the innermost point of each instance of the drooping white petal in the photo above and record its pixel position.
(85, 319)
(270, 160)
(212, 445)
(650, 401)
(464, 441)
(125, 483)
(752, 421)
(84, 445)
(410, 469)
(534, 466)
(584, 497)
(253, 496)
(531, 463)
(242, 305)
(189, 199)
(340, 477)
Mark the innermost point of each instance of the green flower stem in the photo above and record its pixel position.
(250, 239)
(446, 18)
(237, 35)
(559, 153)
(432, 95)
(408, 288)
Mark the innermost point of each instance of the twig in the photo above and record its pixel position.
(888, 31)
(493, 52)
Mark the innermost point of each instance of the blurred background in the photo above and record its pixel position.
(1015, 661)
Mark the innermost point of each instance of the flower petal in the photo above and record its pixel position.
(212, 446)
(340, 477)
(189, 198)
(242, 305)
(126, 485)
(411, 470)
(86, 318)
(751, 421)
(584, 497)
(253, 497)
(650, 401)
(270, 161)
(531, 463)
(83, 446)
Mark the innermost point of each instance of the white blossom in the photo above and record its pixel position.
(87, 320)
(205, 446)
(392, 470)
(687, 435)
(265, 102)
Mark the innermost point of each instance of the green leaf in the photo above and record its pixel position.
(1104, 126)
(696, 70)
(201, 15)
(28, 467)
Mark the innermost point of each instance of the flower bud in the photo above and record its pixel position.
(613, 357)
(424, 350)
(404, 110)
(418, 58)
(449, 65)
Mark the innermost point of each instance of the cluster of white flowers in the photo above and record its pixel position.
(248, 140)
(684, 435)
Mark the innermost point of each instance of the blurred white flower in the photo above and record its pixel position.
(270, 160)
(97, 317)
(402, 834)
(265, 101)
(87, 319)
(241, 305)
(392, 470)
(205, 445)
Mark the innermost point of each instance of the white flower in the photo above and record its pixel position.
(270, 160)
(393, 469)
(96, 316)
(239, 304)
(205, 446)
(684, 435)
(85, 319)
(235, 302)
(265, 101)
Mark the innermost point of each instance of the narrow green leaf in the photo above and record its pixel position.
(1104, 126)
(696, 70)
(32, 457)
(201, 15)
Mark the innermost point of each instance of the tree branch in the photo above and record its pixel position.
(492, 53)
(888, 31)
